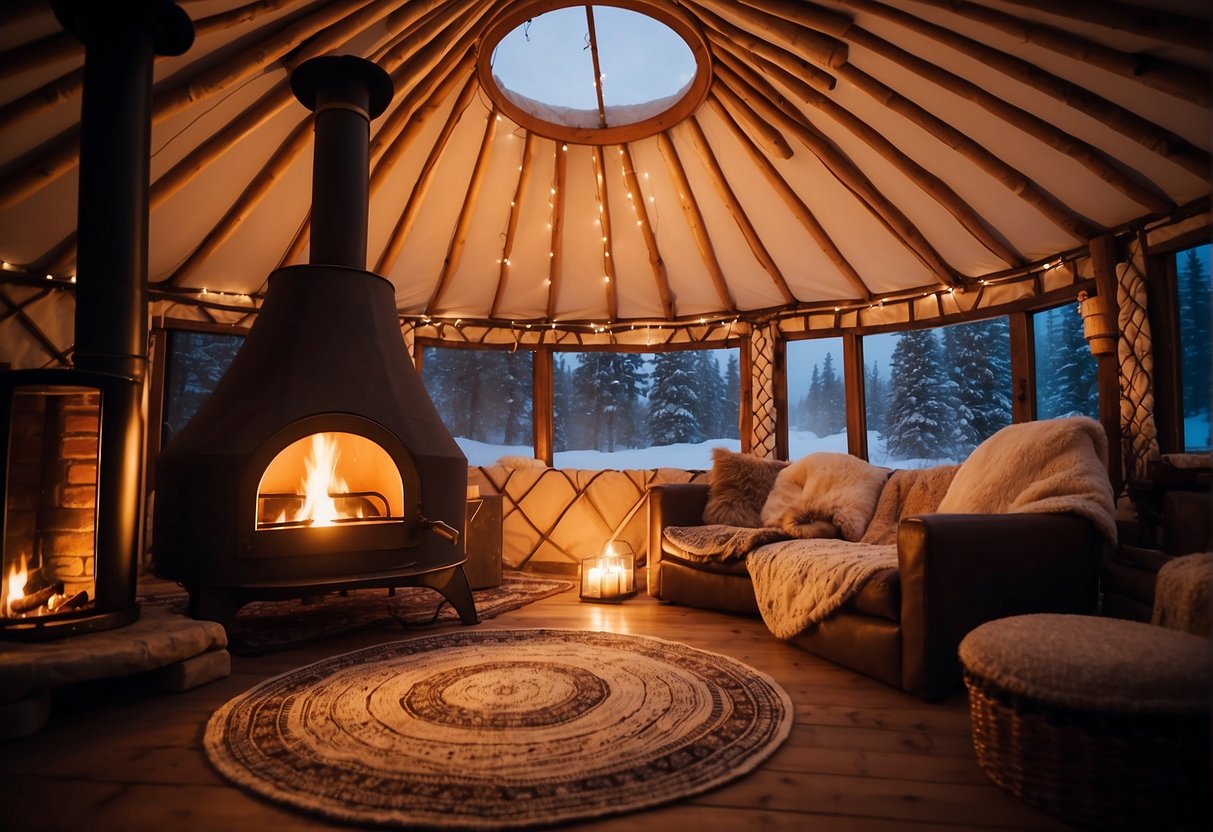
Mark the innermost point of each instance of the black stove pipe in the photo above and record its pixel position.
(346, 93)
(120, 39)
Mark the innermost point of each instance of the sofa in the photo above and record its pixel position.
(952, 571)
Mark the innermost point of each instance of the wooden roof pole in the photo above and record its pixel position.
(459, 236)
(18, 309)
(733, 88)
(254, 116)
(1143, 131)
(1165, 26)
(829, 52)
(249, 198)
(795, 204)
(511, 228)
(557, 250)
(604, 219)
(809, 30)
(928, 182)
(694, 218)
(1038, 128)
(1153, 71)
(408, 216)
(788, 69)
(661, 277)
(62, 45)
(59, 154)
(1014, 180)
(393, 56)
(729, 197)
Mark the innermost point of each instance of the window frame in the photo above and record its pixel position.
(1162, 299)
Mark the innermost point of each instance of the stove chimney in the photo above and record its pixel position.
(346, 93)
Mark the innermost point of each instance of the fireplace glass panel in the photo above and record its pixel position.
(328, 479)
(50, 507)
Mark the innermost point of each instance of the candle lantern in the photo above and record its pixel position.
(609, 577)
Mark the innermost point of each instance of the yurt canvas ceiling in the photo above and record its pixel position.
(822, 155)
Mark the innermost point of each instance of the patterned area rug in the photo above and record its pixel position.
(269, 626)
(499, 729)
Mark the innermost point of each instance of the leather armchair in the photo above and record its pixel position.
(955, 571)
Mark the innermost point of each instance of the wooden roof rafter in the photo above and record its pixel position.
(511, 228)
(604, 222)
(695, 221)
(556, 253)
(924, 179)
(734, 88)
(450, 263)
(795, 204)
(661, 276)
(727, 195)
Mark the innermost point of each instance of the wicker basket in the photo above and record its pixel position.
(1093, 769)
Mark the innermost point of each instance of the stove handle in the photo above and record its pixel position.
(448, 533)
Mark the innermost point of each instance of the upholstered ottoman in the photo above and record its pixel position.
(1100, 721)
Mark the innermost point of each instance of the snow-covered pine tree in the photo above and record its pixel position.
(562, 400)
(979, 365)
(833, 407)
(918, 420)
(732, 396)
(1067, 380)
(674, 400)
(874, 398)
(1193, 290)
(813, 419)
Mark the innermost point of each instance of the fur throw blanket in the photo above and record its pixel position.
(825, 495)
(1050, 467)
(719, 543)
(798, 583)
(909, 492)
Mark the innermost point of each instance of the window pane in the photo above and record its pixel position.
(194, 363)
(817, 401)
(932, 395)
(630, 410)
(1193, 285)
(484, 399)
(1067, 379)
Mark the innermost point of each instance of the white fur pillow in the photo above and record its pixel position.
(825, 490)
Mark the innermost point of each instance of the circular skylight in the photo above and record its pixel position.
(594, 73)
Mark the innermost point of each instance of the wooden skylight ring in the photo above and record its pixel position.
(515, 14)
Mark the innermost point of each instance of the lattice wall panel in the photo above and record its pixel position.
(563, 515)
(1136, 355)
(762, 391)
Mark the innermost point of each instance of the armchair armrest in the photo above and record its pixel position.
(671, 504)
(961, 570)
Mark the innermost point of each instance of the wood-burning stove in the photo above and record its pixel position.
(319, 462)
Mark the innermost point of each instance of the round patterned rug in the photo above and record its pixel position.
(499, 729)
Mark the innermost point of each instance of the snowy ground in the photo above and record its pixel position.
(699, 457)
(687, 457)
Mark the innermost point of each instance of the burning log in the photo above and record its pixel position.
(28, 603)
(73, 601)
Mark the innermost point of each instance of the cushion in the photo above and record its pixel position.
(738, 488)
(908, 493)
(1183, 598)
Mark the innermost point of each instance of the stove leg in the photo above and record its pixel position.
(453, 585)
(212, 604)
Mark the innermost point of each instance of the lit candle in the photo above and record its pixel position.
(610, 582)
(593, 583)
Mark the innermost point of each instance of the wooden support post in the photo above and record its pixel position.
(1023, 367)
(1103, 264)
(541, 394)
(779, 380)
(853, 377)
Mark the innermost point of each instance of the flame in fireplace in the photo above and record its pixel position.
(320, 483)
(17, 577)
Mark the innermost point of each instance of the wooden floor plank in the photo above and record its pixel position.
(861, 755)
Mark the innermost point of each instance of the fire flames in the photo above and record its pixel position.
(320, 483)
(17, 577)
